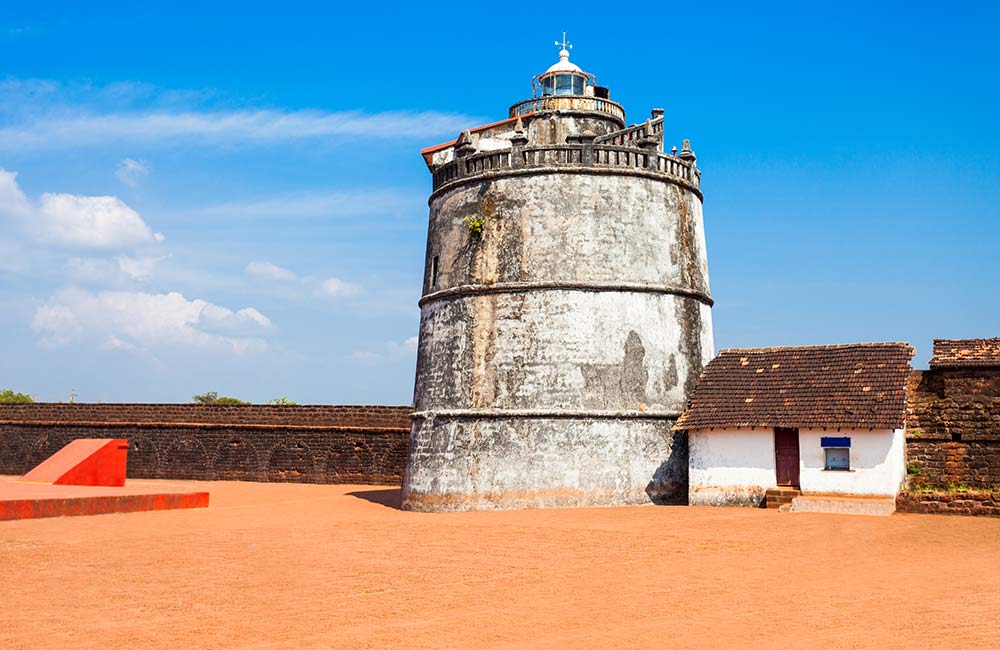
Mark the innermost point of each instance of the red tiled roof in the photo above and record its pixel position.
(475, 129)
(959, 353)
(860, 385)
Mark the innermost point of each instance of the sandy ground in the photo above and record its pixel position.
(327, 566)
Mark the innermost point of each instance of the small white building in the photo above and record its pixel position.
(826, 420)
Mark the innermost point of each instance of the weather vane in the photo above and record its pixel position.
(566, 45)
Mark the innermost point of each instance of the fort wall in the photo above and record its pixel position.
(953, 428)
(309, 444)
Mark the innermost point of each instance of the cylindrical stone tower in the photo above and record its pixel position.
(565, 312)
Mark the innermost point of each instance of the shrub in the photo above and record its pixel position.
(213, 398)
(8, 396)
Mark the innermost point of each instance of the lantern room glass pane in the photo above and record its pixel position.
(563, 84)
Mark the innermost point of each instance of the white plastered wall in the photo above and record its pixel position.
(736, 466)
(730, 466)
(878, 462)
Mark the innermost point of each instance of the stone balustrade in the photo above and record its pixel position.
(586, 155)
(633, 134)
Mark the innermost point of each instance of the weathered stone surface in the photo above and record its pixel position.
(561, 349)
(976, 504)
(565, 317)
(953, 428)
(536, 462)
(307, 444)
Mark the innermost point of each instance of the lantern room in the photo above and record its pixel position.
(564, 77)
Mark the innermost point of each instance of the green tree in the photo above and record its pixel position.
(213, 398)
(282, 401)
(7, 396)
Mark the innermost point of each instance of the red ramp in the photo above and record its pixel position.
(87, 461)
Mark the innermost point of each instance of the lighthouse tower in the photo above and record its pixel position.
(565, 313)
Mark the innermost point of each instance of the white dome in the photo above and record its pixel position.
(564, 64)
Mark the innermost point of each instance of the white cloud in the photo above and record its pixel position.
(93, 270)
(132, 319)
(71, 220)
(14, 204)
(130, 171)
(13, 258)
(159, 127)
(410, 344)
(270, 271)
(51, 115)
(138, 268)
(112, 272)
(374, 201)
(336, 288)
(391, 351)
(115, 343)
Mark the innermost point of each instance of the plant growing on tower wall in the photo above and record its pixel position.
(476, 223)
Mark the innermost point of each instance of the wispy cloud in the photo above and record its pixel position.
(138, 268)
(42, 114)
(270, 271)
(222, 127)
(336, 288)
(130, 171)
(391, 351)
(47, 115)
(374, 201)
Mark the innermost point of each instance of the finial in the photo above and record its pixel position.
(520, 138)
(464, 146)
(565, 47)
(686, 153)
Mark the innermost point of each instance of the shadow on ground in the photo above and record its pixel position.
(389, 497)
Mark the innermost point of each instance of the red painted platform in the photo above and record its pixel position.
(33, 501)
(86, 461)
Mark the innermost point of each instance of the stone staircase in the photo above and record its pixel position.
(780, 498)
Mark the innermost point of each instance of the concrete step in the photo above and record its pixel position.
(843, 505)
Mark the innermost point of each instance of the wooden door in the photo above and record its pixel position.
(786, 456)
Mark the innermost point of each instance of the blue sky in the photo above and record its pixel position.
(229, 196)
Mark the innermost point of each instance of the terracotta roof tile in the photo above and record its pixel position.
(861, 385)
(958, 353)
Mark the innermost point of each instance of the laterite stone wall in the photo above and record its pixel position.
(982, 504)
(310, 444)
(953, 428)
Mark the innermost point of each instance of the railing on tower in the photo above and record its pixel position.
(568, 103)
(584, 154)
(633, 134)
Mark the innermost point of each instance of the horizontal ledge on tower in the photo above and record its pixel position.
(545, 414)
(520, 287)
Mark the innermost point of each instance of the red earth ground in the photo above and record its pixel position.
(335, 566)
